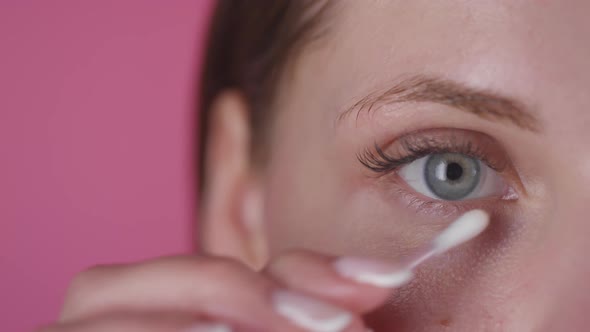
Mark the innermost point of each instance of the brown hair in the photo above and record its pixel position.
(250, 44)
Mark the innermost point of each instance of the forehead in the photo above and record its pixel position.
(535, 51)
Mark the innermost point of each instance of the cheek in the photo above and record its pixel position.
(313, 204)
(500, 281)
(520, 275)
(484, 285)
(302, 200)
(317, 201)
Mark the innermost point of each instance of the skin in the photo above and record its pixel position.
(527, 272)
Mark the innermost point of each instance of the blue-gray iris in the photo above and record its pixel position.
(452, 176)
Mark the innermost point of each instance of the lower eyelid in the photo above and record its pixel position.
(398, 190)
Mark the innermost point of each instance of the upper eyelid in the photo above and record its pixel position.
(426, 142)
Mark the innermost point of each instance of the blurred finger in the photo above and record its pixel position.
(212, 287)
(215, 288)
(134, 322)
(319, 276)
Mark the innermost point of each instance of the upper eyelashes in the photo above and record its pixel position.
(419, 144)
(381, 163)
(443, 164)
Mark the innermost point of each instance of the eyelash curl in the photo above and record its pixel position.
(417, 145)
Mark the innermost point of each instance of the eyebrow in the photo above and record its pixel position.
(420, 88)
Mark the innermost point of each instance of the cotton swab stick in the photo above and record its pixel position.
(465, 228)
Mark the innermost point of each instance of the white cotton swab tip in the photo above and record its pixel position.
(382, 274)
(468, 226)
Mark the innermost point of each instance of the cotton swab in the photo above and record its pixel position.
(465, 228)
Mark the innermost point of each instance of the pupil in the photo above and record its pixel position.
(454, 171)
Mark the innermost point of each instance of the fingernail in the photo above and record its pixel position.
(209, 327)
(373, 272)
(310, 314)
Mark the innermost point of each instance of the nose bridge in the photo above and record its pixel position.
(565, 274)
(565, 282)
(570, 227)
(570, 176)
(570, 193)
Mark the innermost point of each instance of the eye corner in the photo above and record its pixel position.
(510, 194)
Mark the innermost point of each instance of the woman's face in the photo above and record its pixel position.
(475, 104)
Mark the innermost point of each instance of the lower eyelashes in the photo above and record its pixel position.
(425, 205)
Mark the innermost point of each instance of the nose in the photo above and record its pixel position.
(565, 275)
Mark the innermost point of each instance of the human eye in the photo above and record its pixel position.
(444, 169)
(452, 176)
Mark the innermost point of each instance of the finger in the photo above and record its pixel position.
(358, 326)
(145, 322)
(311, 314)
(321, 276)
(217, 288)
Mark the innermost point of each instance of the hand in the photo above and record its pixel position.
(300, 291)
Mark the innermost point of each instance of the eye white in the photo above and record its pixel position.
(490, 182)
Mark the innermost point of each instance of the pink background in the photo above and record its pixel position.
(96, 127)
